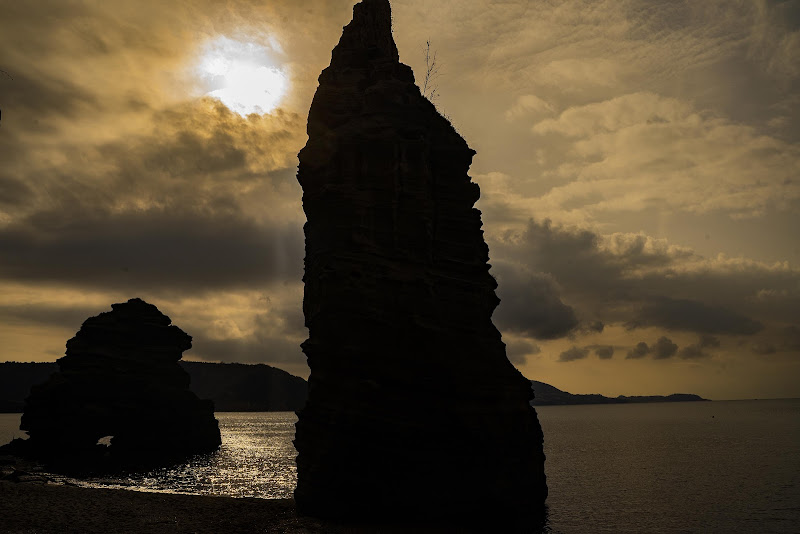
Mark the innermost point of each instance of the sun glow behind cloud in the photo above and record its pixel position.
(243, 76)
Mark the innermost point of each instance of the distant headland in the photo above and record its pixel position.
(547, 395)
(237, 387)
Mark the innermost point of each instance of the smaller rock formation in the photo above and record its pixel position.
(120, 399)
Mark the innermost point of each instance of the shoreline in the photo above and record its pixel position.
(35, 505)
(42, 507)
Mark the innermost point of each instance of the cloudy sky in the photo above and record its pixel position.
(639, 164)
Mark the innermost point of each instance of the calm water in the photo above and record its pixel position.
(668, 468)
(715, 467)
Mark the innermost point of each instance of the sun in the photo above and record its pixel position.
(243, 76)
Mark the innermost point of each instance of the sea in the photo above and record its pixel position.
(690, 467)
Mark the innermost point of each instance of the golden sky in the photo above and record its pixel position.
(639, 163)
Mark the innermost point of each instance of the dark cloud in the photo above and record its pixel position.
(67, 317)
(664, 348)
(519, 349)
(785, 339)
(153, 249)
(693, 352)
(707, 341)
(639, 351)
(696, 351)
(764, 347)
(202, 140)
(530, 305)
(571, 257)
(572, 354)
(164, 209)
(604, 352)
(13, 192)
(634, 279)
(591, 327)
(684, 314)
(35, 97)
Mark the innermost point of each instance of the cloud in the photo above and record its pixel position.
(664, 348)
(707, 341)
(572, 354)
(573, 74)
(614, 115)
(13, 192)
(41, 96)
(591, 327)
(604, 352)
(692, 352)
(200, 200)
(774, 39)
(639, 351)
(191, 251)
(696, 351)
(530, 305)
(518, 349)
(274, 351)
(763, 348)
(275, 339)
(635, 279)
(68, 316)
(785, 339)
(642, 150)
(528, 105)
(689, 315)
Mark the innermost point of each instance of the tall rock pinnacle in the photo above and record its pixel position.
(414, 411)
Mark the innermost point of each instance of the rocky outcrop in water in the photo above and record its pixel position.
(413, 408)
(119, 380)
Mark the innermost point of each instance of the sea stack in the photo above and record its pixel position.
(414, 410)
(120, 378)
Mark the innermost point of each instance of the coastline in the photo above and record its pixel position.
(34, 505)
(41, 507)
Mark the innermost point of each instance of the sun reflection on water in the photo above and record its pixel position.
(257, 459)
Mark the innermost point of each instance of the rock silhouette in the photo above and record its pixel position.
(413, 408)
(119, 380)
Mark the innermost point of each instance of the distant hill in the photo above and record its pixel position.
(234, 387)
(237, 387)
(547, 395)
(16, 380)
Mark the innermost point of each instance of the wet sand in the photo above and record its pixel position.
(35, 506)
(30, 507)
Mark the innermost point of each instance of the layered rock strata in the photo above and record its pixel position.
(120, 380)
(413, 408)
